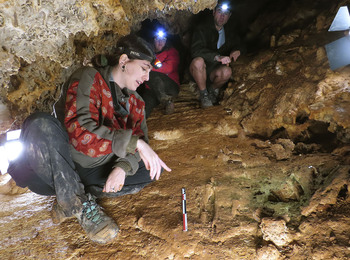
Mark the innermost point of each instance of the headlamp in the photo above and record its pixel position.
(224, 7)
(157, 64)
(160, 34)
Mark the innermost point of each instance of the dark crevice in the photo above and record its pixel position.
(15, 82)
(279, 133)
(317, 134)
(302, 117)
(343, 193)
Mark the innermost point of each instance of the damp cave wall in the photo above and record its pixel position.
(42, 42)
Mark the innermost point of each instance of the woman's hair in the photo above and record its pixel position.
(131, 45)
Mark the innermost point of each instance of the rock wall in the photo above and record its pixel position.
(288, 90)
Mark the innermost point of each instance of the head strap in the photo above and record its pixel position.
(138, 55)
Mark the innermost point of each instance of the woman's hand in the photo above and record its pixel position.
(152, 162)
(115, 181)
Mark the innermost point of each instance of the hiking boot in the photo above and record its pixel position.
(97, 225)
(169, 107)
(205, 100)
(57, 214)
(213, 95)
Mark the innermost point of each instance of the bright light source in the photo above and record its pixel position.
(13, 149)
(13, 135)
(13, 146)
(161, 34)
(341, 21)
(10, 150)
(338, 51)
(224, 7)
(157, 64)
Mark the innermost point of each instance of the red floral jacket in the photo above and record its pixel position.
(96, 130)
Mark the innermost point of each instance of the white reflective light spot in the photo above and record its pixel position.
(13, 149)
(13, 135)
(224, 7)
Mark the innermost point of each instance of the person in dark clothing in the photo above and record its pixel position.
(163, 84)
(213, 48)
(98, 146)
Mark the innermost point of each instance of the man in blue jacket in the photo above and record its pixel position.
(214, 46)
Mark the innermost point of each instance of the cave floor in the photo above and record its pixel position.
(237, 191)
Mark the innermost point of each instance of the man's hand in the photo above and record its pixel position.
(115, 181)
(234, 55)
(225, 60)
(152, 162)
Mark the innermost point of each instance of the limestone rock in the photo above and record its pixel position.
(167, 135)
(276, 231)
(8, 186)
(290, 190)
(268, 253)
(328, 195)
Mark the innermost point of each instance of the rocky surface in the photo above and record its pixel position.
(243, 200)
(266, 172)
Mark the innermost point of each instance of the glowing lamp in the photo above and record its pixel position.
(225, 8)
(10, 150)
(161, 34)
(157, 64)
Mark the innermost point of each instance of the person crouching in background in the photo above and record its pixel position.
(163, 84)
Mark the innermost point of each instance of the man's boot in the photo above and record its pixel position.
(169, 107)
(205, 100)
(166, 101)
(213, 95)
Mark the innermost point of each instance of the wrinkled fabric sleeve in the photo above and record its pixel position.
(170, 62)
(83, 119)
(130, 164)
